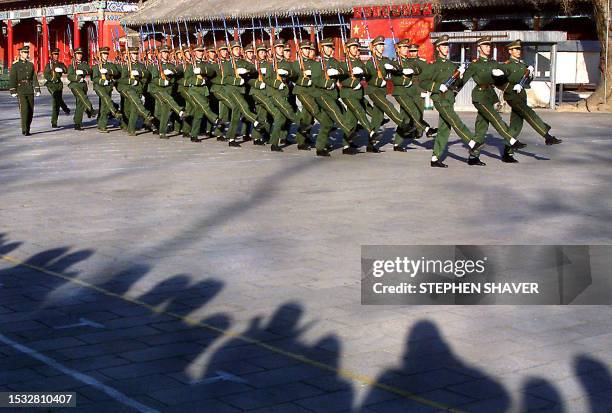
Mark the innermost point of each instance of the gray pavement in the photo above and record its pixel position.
(197, 277)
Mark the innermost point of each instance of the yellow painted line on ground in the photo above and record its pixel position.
(347, 374)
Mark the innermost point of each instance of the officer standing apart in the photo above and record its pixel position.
(54, 70)
(23, 84)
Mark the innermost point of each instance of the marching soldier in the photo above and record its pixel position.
(484, 70)
(131, 86)
(306, 94)
(54, 70)
(77, 74)
(104, 76)
(149, 101)
(352, 93)
(406, 87)
(23, 84)
(325, 77)
(437, 80)
(518, 76)
(376, 69)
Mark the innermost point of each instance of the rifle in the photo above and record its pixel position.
(273, 50)
(178, 28)
(451, 80)
(397, 56)
(69, 33)
(297, 46)
(229, 49)
(372, 54)
(212, 27)
(323, 64)
(525, 78)
(96, 50)
(127, 52)
(172, 53)
(343, 39)
(257, 65)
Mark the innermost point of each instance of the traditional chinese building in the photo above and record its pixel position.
(44, 24)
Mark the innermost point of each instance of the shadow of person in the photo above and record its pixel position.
(596, 381)
(539, 394)
(6, 246)
(432, 375)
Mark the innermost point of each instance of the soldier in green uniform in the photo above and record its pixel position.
(149, 100)
(104, 76)
(484, 70)
(23, 84)
(163, 78)
(222, 93)
(180, 95)
(306, 93)
(352, 92)
(378, 68)
(518, 76)
(436, 81)
(54, 70)
(77, 73)
(406, 87)
(325, 79)
(131, 85)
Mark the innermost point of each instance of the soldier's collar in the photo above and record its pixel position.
(485, 58)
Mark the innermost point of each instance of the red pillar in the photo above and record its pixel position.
(44, 52)
(312, 35)
(100, 33)
(77, 32)
(9, 42)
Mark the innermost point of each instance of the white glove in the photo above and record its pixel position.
(497, 72)
(281, 86)
(263, 70)
(166, 82)
(307, 73)
(424, 94)
(531, 70)
(79, 72)
(37, 94)
(103, 71)
(357, 87)
(409, 84)
(168, 72)
(197, 70)
(332, 72)
(389, 66)
(14, 95)
(309, 83)
(331, 87)
(357, 71)
(242, 71)
(59, 69)
(383, 83)
(135, 73)
(461, 70)
(82, 80)
(443, 88)
(135, 83)
(408, 71)
(282, 72)
(106, 83)
(262, 86)
(241, 82)
(518, 88)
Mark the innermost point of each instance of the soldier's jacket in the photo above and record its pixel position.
(199, 80)
(409, 85)
(23, 79)
(98, 78)
(437, 74)
(376, 82)
(514, 70)
(158, 77)
(275, 81)
(303, 83)
(127, 78)
(254, 83)
(326, 86)
(225, 75)
(251, 73)
(53, 78)
(348, 81)
(78, 80)
(480, 70)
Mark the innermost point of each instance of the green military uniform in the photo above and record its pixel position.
(77, 73)
(325, 77)
(443, 98)
(179, 93)
(23, 84)
(131, 86)
(54, 70)
(104, 76)
(514, 70)
(352, 92)
(377, 92)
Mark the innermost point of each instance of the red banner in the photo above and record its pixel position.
(416, 29)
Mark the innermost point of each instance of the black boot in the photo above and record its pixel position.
(518, 145)
(551, 140)
(78, 127)
(234, 144)
(195, 139)
(431, 132)
(303, 147)
(322, 152)
(475, 161)
(349, 151)
(397, 148)
(507, 156)
(438, 164)
(276, 148)
(259, 142)
(372, 149)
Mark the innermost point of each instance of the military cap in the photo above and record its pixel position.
(199, 48)
(234, 43)
(249, 48)
(327, 42)
(442, 40)
(287, 46)
(221, 46)
(403, 43)
(164, 49)
(307, 45)
(413, 47)
(55, 50)
(483, 40)
(378, 40)
(279, 43)
(352, 42)
(25, 48)
(133, 49)
(105, 49)
(78, 50)
(261, 46)
(517, 44)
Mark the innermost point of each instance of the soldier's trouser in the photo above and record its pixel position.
(83, 104)
(345, 120)
(239, 108)
(57, 102)
(311, 111)
(262, 116)
(358, 108)
(106, 106)
(226, 109)
(487, 114)
(135, 108)
(410, 107)
(166, 105)
(383, 107)
(181, 99)
(520, 111)
(200, 108)
(449, 119)
(278, 118)
(26, 109)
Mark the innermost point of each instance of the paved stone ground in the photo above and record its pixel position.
(174, 242)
